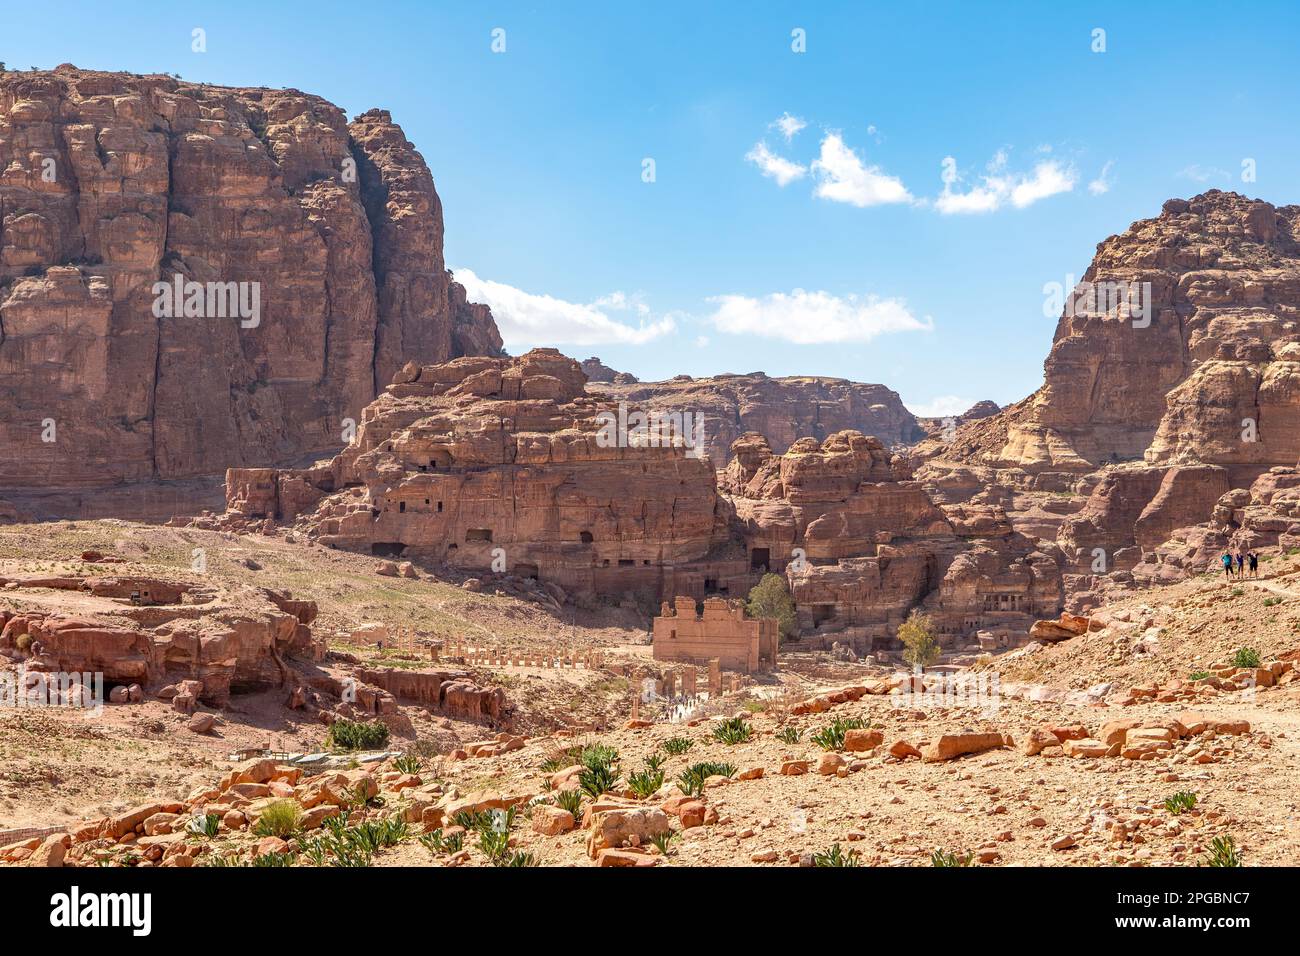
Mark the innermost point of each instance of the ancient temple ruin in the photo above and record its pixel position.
(716, 629)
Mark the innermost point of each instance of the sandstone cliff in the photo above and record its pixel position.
(1209, 373)
(783, 410)
(112, 182)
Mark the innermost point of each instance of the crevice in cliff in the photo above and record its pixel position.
(374, 198)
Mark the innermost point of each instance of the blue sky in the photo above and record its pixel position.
(865, 264)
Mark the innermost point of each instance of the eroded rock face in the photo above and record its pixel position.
(1220, 348)
(499, 464)
(861, 545)
(112, 182)
(782, 410)
(151, 631)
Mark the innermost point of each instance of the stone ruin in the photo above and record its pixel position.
(494, 466)
(718, 630)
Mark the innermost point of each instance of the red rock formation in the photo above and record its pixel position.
(151, 631)
(782, 410)
(111, 182)
(1219, 348)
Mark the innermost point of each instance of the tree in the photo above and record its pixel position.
(920, 647)
(771, 598)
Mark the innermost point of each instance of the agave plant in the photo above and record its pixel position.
(837, 857)
(733, 730)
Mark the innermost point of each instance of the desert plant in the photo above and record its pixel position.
(1246, 657)
(663, 840)
(949, 858)
(597, 779)
(494, 843)
(733, 730)
(274, 859)
(920, 647)
(1272, 601)
(676, 746)
(691, 780)
(1223, 852)
(770, 597)
(356, 735)
(1180, 802)
(205, 826)
(313, 851)
(433, 841)
(281, 819)
(654, 763)
(1198, 675)
(408, 763)
(519, 858)
(789, 734)
(644, 783)
(837, 857)
(23, 643)
(831, 737)
(570, 800)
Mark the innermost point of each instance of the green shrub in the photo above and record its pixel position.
(570, 800)
(1246, 657)
(676, 746)
(1223, 852)
(663, 840)
(597, 779)
(654, 763)
(205, 826)
(831, 737)
(520, 858)
(920, 647)
(645, 784)
(408, 763)
(691, 780)
(733, 730)
(355, 735)
(789, 734)
(1180, 802)
(1198, 675)
(274, 859)
(836, 857)
(494, 843)
(770, 597)
(948, 858)
(281, 819)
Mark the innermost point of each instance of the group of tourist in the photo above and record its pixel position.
(1239, 562)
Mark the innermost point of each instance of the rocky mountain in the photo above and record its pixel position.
(1180, 345)
(194, 277)
(783, 410)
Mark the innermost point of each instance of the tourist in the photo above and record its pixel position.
(1227, 565)
(1254, 564)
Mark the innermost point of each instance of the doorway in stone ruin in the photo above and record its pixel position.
(759, 559)
(525, 570)
(822, 613)
(585, 537)
(387, 549)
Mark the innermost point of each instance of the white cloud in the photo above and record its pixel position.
(843, 177)
(527, 319)
(1048, 179)
(814, 318)
(940, 406)
(788, 125)
(999, 186)
(1101, 185)
(774, 166)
